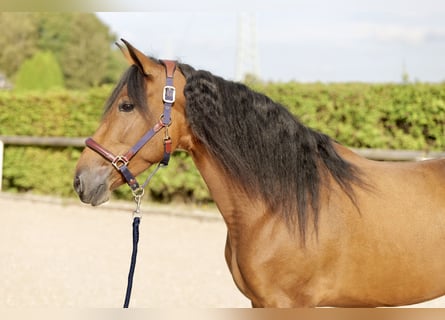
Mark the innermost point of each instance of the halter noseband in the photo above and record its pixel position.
(120, 162)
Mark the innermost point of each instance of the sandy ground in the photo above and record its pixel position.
(71, 255)
(59, 253)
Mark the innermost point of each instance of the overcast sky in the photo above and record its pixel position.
(329, 41)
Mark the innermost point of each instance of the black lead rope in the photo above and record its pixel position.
(138, 195)
(136, 222)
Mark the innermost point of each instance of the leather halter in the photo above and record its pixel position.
(120, 162)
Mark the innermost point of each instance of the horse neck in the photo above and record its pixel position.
(236, 207)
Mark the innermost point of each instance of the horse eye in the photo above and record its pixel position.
(126, 107)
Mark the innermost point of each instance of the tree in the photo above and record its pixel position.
(81, 43)
(41, 72)
(85, 56)
(18, 40)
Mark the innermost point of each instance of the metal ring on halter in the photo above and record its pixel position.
(138, 193)
(164, 124)
(119, 162)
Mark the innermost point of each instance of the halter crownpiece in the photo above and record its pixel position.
(120, 162)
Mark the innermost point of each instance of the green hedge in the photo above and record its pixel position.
(358, 115)
(361, 115)
(75, 114)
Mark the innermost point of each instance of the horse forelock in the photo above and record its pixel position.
(135, 82)
(265, 149)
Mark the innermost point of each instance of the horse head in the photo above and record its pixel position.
(135, 110)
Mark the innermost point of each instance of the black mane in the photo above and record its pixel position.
(264, 148)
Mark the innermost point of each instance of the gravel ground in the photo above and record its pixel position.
(61, 253)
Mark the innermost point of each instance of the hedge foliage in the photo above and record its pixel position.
(388, 116)
(359, 115)
(74, 114)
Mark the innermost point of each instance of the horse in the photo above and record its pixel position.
(309, 222)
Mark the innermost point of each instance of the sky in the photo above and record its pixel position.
(305, 41)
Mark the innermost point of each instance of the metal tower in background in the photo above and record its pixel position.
(247, 60)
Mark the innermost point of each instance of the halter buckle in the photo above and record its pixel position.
(119, 161)
(169, 94)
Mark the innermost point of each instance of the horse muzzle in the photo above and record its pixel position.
(93, 186)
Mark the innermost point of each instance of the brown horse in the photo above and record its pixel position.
(310, 223)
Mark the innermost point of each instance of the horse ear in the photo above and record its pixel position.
(134, 56)
(126, 53)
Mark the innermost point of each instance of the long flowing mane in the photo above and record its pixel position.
(259, 143)
(264, 148)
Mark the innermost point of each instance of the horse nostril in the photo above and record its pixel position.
(77, 184)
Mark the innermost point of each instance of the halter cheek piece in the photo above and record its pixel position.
(120, 162)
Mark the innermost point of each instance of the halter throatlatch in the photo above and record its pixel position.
(120, 162)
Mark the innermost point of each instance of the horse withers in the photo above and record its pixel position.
(309, 222)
